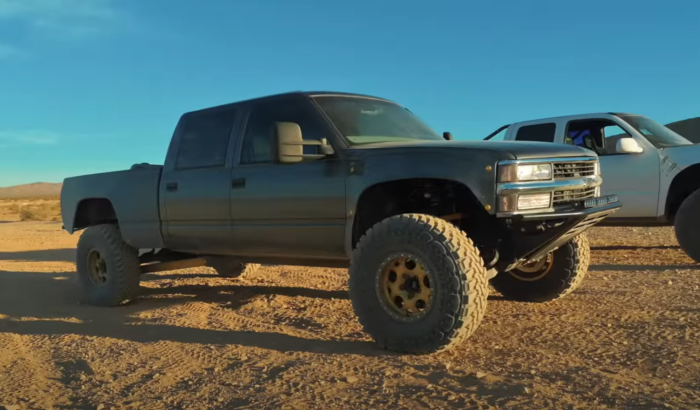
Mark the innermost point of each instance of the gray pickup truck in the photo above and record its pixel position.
(343, 180)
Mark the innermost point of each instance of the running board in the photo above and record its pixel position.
(173, 265)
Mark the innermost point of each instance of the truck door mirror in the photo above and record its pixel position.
(290, 144)
(628, 146)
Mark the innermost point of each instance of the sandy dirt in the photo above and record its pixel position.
(286, 338)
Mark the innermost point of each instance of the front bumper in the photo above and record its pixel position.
(538, 234)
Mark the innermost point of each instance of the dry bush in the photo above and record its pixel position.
(40, 211)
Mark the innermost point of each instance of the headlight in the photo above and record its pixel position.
(525, 172)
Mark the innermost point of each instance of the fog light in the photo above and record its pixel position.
(535, 201)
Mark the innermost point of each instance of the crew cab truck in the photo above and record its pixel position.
(653, 171)
(344, 180)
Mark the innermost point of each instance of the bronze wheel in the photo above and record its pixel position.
(97, 268)
(417, 284)
(108, 268)
(534, 270)
(550, 278)
(404, 287)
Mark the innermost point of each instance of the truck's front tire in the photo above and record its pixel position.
(231, 267)
(108, 269)
(417, 284)
(552, 277)
(687, 226)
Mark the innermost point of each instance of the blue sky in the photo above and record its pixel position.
(97, 85)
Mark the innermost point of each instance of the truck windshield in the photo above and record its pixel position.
(365, 120)
(659, 135)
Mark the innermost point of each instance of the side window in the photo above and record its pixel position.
(539, 132)
(598, 135)
(258, 140)
(204, 140)
(613, 131)
(612, 134)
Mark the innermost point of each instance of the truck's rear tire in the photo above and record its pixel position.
(231, 267)
(553, 277)
(687, 226)
(417, 284)
(108, 268)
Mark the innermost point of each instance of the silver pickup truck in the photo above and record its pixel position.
(654, 172)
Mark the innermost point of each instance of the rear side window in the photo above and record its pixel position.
(204, 140)
(538, 133)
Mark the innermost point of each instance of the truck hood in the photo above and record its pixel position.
(516, 149)
(683, 156)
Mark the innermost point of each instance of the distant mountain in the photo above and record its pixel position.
(689, 128)
(37, 189)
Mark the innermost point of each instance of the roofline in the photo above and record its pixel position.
(308, 94)
(560, 117)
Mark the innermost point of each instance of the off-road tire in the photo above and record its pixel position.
(231, 267)
(459, 284)
(569, 267)
(687, 226)
(122, 265)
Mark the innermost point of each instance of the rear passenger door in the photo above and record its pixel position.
(287, 210)
(196, 184)
(537, 133)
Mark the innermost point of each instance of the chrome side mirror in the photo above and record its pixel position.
(628, 146)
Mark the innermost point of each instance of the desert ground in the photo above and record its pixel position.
(286, 337)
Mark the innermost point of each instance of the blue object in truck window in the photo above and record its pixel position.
(577, 137)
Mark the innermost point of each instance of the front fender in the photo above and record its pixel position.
(476, 172)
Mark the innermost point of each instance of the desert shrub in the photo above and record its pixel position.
(42, 211)
(27, 214)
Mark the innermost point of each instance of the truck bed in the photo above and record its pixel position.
(133, 194)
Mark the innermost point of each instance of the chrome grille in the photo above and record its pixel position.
(565, 170)
(572, 195)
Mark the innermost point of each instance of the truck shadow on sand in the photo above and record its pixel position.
(631, 247)
(641, 268)
(51, 300)
(42, 255)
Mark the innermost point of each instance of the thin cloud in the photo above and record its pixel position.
(8, 52)
(68, 17)
(20, 138)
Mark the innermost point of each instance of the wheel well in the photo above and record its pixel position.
(94, 211)
(684, 184)
(446, 199)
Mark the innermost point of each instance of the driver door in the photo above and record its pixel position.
(634, 178)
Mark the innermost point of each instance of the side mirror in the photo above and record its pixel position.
(290, 144)
(447, 135)
(628, 146)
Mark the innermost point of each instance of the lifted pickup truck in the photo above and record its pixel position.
(345, 180)
(654, 171)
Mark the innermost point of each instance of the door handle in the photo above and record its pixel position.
(238, 183)
(171, 186)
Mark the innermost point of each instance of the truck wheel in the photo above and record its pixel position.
(687, 226)
(231, 267)
(417, 284)
(108, 269)
(551, 278)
